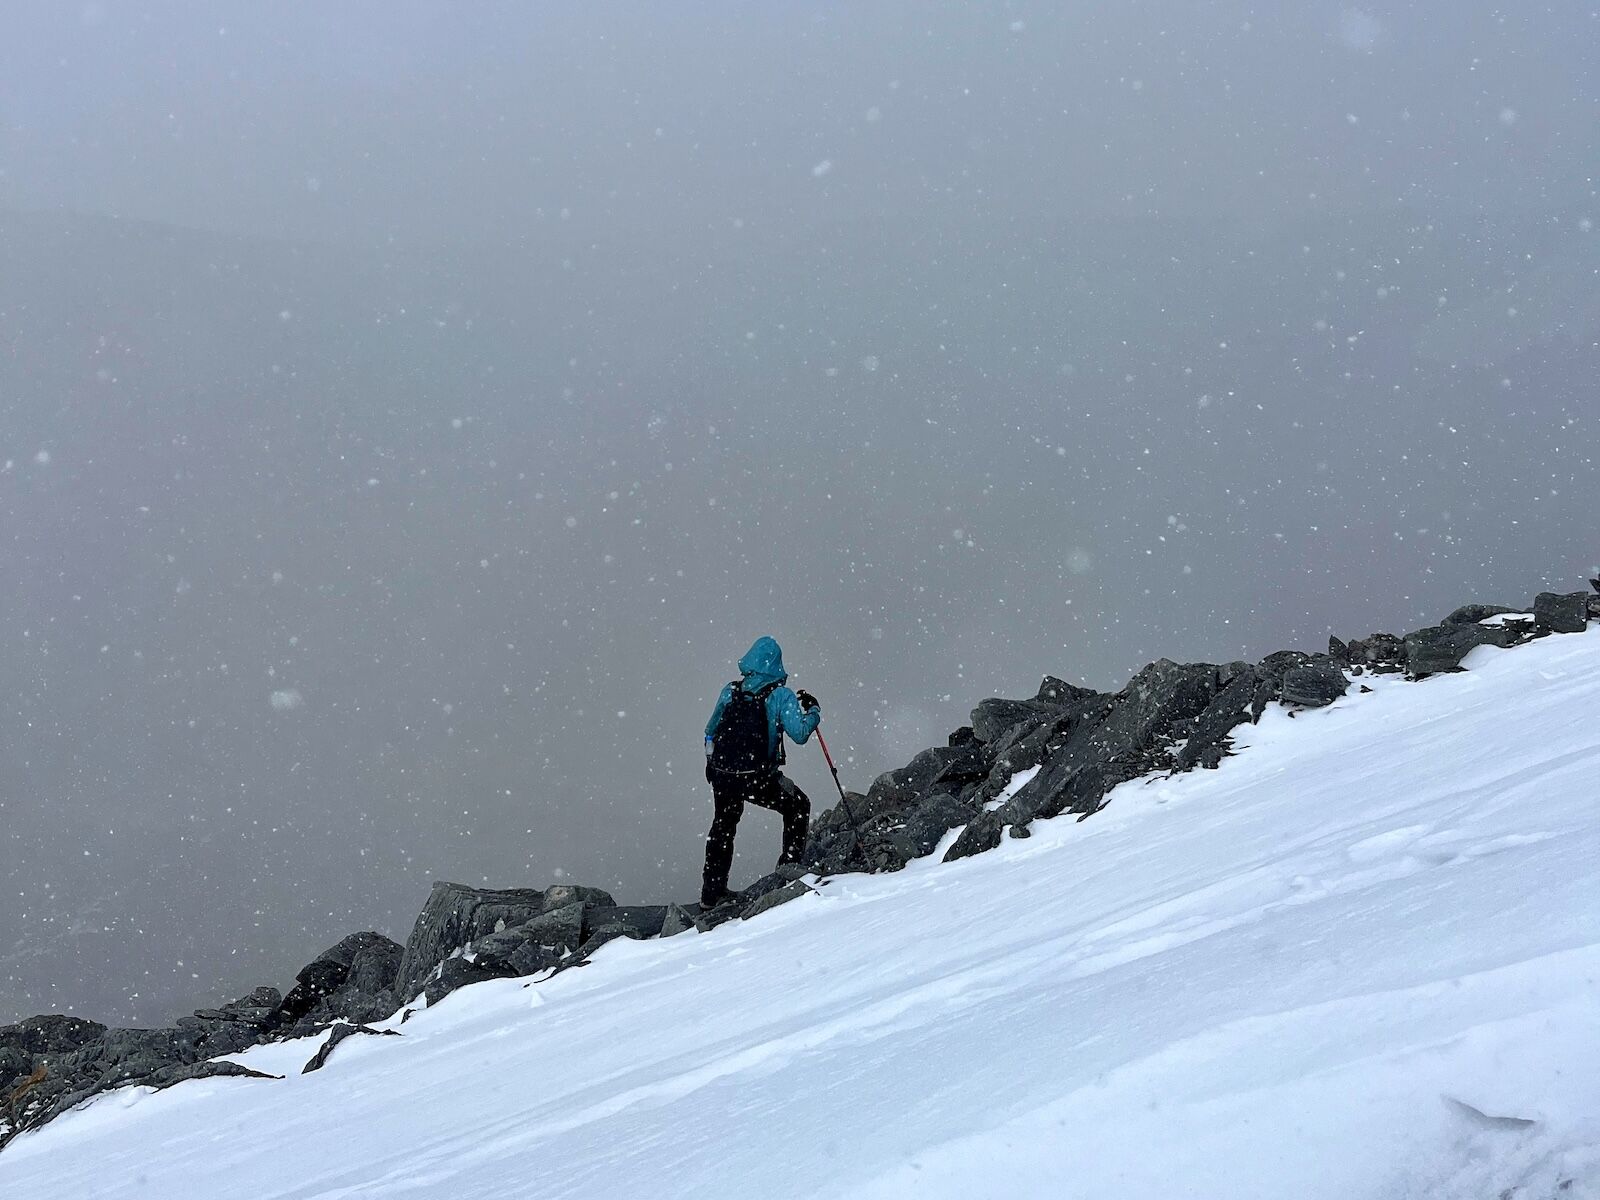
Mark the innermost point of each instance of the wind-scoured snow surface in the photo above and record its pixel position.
(1360, 960)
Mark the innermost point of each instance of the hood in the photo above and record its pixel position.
(763, 664)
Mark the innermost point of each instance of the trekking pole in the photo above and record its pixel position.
(821, 742)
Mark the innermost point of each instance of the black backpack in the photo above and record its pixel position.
(739, 744)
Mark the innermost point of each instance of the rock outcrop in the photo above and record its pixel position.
(1171, 717)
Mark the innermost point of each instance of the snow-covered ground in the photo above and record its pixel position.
(1360, 960)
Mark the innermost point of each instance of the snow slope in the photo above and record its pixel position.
(1360, 960)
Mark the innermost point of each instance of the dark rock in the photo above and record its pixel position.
(1061, 693)
(559, 928)
(1440, 648)
(982, 833)
(1338, 651)
(376, 966)
(643, 919)
(170, 1076)
(678, 920)
(1314, 686)
(605, 934)
(932, 818)
(1161, 694)
(961, 765)
(1381, 652)
(839, 854)
(530, 957)
(1142, 719)
(962, 737)
(886, 846)
(359, 1008)
(51, 1034)
(784, 875)
(257, 1017)
(888, 793)
(1231, 708)
(1228, 672)
(1021, 747)
(327, 974)
(336, 1035)
(849, 813)
(455, 915)
(895, 791)
(261, 997)
(1471, 614)
(563, 894)
(770, 900)
(455, 973)
(994, 717)
(534, 944)
(1274, 666)
(1561, 613)
(1019, 832)
(14, 1065)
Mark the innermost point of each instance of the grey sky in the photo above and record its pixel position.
(409, 412)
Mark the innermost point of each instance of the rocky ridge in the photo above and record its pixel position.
(1171, 717)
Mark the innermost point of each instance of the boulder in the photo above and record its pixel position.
(1313, 686)
(982, 833)
(1140, 721)
(994, 717)
(1381, 653)
(376, 966)
(644, 920)
(1471, 614)
(562, 894)
(1158, 696)
(1561, 612)
(455, 915)
(1274, 666)
(1227, 711)
(14, 1065)
(678, 920)
(558, 928)
(1440, 648)
(51, 1034)
(1061, 693)
(932, 818)
(329, 971)
(895, 791)
(785, 874)
(456, 973)
(536, 944)
(770, 900)
(836, 853)
(530, 957)
(886, 846)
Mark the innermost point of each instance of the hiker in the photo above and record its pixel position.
(744, 749)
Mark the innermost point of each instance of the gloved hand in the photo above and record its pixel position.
(807, 700)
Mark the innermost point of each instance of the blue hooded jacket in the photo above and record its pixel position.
(761, 665)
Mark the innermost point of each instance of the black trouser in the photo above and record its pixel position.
(730, 793)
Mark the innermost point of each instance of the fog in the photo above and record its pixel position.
(408, 413)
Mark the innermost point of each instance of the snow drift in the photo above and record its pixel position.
(1361, 959)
